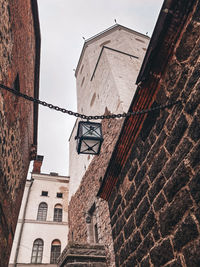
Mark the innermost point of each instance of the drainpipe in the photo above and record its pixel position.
(22, 225)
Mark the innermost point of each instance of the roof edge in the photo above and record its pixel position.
(36, 25)
(96, 36)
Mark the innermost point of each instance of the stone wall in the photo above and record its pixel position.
(85, 197)
(17, 69)
(155, 206)
(84, 255)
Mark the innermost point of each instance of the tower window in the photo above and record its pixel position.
(37, 251)
(57, 213)
(55, 251)
(44, 193)
(42, 212)
(59, 195)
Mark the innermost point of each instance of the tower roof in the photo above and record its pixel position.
(103, 34)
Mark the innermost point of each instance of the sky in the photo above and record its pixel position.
(63, 26)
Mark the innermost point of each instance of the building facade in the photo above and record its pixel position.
(42, 228)
(106, 76)
(19, 69)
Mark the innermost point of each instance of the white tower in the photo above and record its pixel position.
(105, 75)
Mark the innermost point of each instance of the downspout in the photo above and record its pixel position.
(22, 225)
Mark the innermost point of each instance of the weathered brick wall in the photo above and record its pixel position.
(155, 207)
(85, 196)
(17, 53)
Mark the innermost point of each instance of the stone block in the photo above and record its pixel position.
(193, 101)
(186, 232)
(140, 194)
(119, 225)
(130, 193)
(194, 129)
(173, 73)
(162, 253)
(194, 186)
(176, 182)
(161, 121)
(175, 263)
(144, 247)
(133, 170)
(134, 242)
(140, 175)
(156, 187)
(118, 243)
(182, 150)
(159, 202)
(188, 42)
(86, 255)
(145, 262)
(191, 254)
(176, 134)
(130, 208)
(156, 147)
(142, 211)
(173, 213)
(155, 232)
(148, 223)
(129, 227)
(158, 163)
(194, 157)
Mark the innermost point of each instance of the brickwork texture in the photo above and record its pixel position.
(155, 205)
(17, 69)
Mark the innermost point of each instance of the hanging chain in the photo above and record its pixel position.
(82, 116)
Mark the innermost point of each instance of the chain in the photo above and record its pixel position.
(85, 117)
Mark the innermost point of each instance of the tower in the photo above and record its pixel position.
(105, 76)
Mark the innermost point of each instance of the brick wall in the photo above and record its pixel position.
(85, 196)
(155, 206)
(17, 53)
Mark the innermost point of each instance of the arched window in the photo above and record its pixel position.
(37, 251)
(57, 213)
(55, 250)
(42, 212)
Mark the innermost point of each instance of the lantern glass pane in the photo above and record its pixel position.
(90, 146)
(91, 130)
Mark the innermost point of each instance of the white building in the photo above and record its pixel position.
(42, 228)
(105, 79)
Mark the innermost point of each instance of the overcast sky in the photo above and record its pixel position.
(63, 25)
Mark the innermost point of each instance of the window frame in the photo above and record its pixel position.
(55, 251)
(42, 211)
(37, 249)
(58, 213)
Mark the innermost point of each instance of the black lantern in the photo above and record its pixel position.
(89, 138)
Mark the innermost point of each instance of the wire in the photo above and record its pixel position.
(82, 116)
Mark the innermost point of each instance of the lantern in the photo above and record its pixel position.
(89, 137)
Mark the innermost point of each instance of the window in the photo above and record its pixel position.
(57, 213)
(59, 195)
(55, 251)
(44, 193)
(16, 84)
(92, 226)
(37, 251)
(42, 212)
